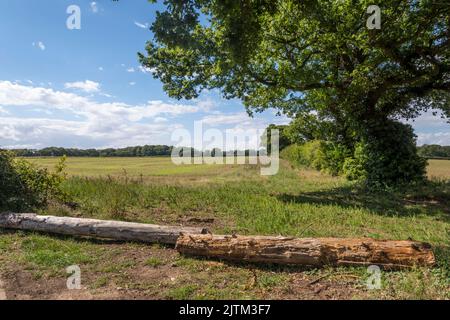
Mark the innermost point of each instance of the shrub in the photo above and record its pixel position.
(320, 155)
(24, 186)
(354, 167)
(11, 186)
(388, 155)
(385, 156)
(334, 157)
(292, 154)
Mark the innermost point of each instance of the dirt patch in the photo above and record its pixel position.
(140, 272)
(2, 291)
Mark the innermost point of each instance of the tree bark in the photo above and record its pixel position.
(314, 252)
(116, 230)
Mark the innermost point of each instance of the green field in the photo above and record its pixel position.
(295, 202)
(134, 167)
(163, 166)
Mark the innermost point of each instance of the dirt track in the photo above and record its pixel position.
(2, 291)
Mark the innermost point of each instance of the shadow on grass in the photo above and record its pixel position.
(431, 198)
(442, 255)
(79, 239)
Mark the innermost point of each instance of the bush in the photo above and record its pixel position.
(354, 167)
(320, 155)
(292, 154)
(385, 156)
(24, 186)
(388, 155)
(334, 157)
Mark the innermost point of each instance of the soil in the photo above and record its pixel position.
(142, 282)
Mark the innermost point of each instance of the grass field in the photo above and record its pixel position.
(439, 169)
(294, 202)
(162, 166)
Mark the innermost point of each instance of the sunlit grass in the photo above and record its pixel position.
(301, 203)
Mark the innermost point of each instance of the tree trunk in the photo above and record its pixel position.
(315, 252)
(116, 230)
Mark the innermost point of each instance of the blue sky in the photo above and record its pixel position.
(84, 88)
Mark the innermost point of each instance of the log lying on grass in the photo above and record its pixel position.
(315, 252)
(116, 230)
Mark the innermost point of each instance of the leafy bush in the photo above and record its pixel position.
(434, 151)
(354, 167)
(320, 155)
(388, 155)
(24, 186)
(11, 187)
(334, 157)
(292, 154)
(283, 141)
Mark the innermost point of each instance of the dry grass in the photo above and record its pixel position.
(439, 169)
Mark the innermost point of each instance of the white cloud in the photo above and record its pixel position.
(61, 118)
(429, 119)
(86, 86)
(39, 44)
(146, 70)
(83, 122)
(47, 132)
(160, 120)
(131, 70)
(431, 128)
(18, 95)
(94, 7)
(142, 25)
(100, 68)
(106, 95)
(3, 111)
(441, 138)
(132, 83)
(207, 104)
(223, 119)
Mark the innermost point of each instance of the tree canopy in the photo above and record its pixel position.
(300, 56)
(312, 58)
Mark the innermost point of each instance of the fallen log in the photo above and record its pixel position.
(115, 230)
(314, 252)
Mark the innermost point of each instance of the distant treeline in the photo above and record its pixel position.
(434, 151)
(137, 151)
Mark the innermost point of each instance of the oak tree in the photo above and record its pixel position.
(315, 57)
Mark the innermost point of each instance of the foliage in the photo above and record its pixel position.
(267, 53)
(354, 167)
(24, 186)
(136, 151)
(10, 183)
(320, 155)
(392, 160)
(310, 57)
(297, 203)
(389, 155)
(283, 141)
(434, 151)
